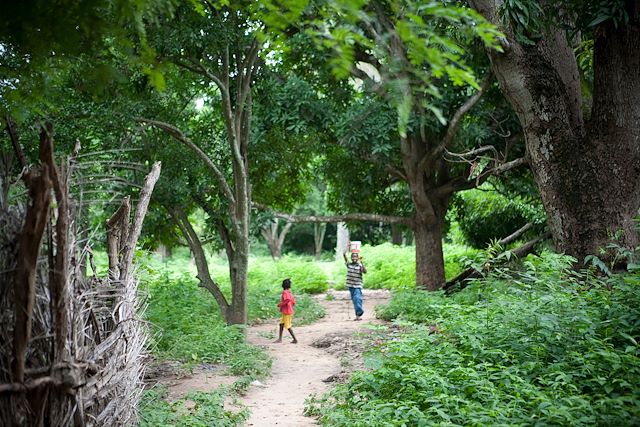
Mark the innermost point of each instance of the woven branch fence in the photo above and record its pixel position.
(71, 346)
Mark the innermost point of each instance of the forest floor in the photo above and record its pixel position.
(327, 351)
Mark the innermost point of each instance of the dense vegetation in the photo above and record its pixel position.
(542, 345)
(442, 127)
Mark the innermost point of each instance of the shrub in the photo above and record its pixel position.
(546, 347)
(484, 216)
(209, 408)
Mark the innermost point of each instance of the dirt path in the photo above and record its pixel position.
(327, 351)
(299, 369)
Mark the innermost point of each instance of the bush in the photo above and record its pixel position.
(484, 216)
(547, 347)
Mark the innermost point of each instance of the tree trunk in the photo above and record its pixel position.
(275, 237)
(318, 237)
(588, 172)
(429, 256)
(396, 234)
(341, 240)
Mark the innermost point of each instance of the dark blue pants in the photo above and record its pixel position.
(356, 298)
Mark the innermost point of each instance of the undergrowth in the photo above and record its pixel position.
(206, 409)
(539, 346)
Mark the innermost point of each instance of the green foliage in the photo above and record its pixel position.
(394, 267)
(544, 346)
(484, 216)
(188, 327)
(305, 274)
(208, 410)
(186, 321)
(337, 26)
(44, 39)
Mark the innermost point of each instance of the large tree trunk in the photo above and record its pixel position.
(588, 172)
(429, 256)
(430, 212)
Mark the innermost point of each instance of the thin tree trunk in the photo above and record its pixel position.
(319, 231)
(396, 234)
(275, 237)
(342, 239)
(204, 276)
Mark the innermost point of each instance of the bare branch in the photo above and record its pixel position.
(13, 135)
(455, 121)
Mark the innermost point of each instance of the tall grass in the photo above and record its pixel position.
(394, 267)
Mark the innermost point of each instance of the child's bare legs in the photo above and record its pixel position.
(280, 334)
(295, 341)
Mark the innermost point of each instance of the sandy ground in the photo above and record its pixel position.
(299, 369)
(326, 352)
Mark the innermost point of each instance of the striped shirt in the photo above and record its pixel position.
(354, 275)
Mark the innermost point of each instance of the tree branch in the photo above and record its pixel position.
(206, 281)
(388, 219)
(455, 121)
(181, 137)
(13, 135)
(466, 184)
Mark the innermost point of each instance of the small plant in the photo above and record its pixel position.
(208, 409)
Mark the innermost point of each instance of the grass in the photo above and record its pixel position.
(187, 325)
(206, 409)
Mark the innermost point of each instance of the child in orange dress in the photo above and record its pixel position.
(286, 308)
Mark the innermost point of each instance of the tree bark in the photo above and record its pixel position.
(341, 240)
(275, 237)
(429, 256)
(319, 230)
(587, 171)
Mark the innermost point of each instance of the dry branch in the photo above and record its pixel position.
(99, 383)
(29, 242)
(136, 226)
(462, 280)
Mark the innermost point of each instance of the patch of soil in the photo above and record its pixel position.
(327, 352)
